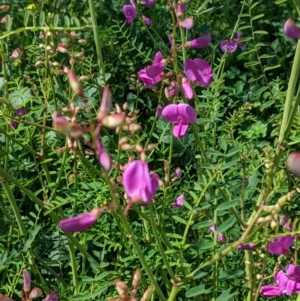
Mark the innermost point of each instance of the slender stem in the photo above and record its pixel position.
(97, 41)
(174, 292)
(160, 247)
(74, 267)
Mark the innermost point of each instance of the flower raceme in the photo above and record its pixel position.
(138, 184)
(198, 71)
(151, 75)
(181, 115)
(286, 283)
(291, 30)
(129, 12)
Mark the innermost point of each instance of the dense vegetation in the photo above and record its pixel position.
(143, 150)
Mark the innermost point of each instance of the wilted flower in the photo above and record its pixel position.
(138, 183)
(198, 71)
(81, 222)
(286, 223)
(151, 75)
(181, 115)
(129, 12)
(4, 298)
(177, 174)
(16, 54)
(187, 23)
(200, 42)
(74, 83)
(248, 247)
(281, 244)
(35, 293)
(291, 29)
(230, 46)
(179, 201)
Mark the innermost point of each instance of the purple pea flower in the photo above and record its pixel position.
(286, 283)
(181, 9)
(51, 296)
(281, 244)
(198, 71)
(151, 75)
(221, 238)
(26, 281)
(291, 30)
(187, 88)
(181, 115)
(129, 12)
(18, 112)
(230, 46)
(148, 2)
(179, 201)
(198, 43)
(138, 183)
(248, 247)
(147, 21)
(187, 23)
(81, 222)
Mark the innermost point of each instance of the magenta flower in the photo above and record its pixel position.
(81, 222)
(148, 2)
(198, 43)
(52, 296)
(198, 71)
(230, 46)
(103, 155)
(286, 283)
(151, 75)
(147, 20)
(188, 23)
(172, 90)
(181, 9)
(291, 30)
(138, 183)
(129, 12)
(179, 201)
(221, 238)
(281, 244)
(181, 115)
(19, 112)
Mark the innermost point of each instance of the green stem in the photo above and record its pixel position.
(74, 267)
(174, 292)
(160, 247)
(97, 41)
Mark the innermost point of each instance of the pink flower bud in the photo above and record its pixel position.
(293, 163)
(26, 281)
(60, 123)
(158, 111)
(180, 10)
(81, 222)
(177, 174)
(82, 41)
(147, 21)
(147, 295)
(113, 121)
(291, 30)
(187, 89)
(179, 201)
(105, 160)
(106, 103)
(188, 23)
(35, 293)
(75, 85)
(52, 296)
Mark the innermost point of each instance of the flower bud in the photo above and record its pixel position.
(147, 295)
(82, 41)
(35, 293)
(26, 281)
(106, 103)
(52, 296)
(113, 121)
(291, 30)
(105, 160)
(75, 85)
(293, 163)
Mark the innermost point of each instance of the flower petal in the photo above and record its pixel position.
(291, 30)
(170, 112)
(229, 46)
(180, 129)
(187, 113)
